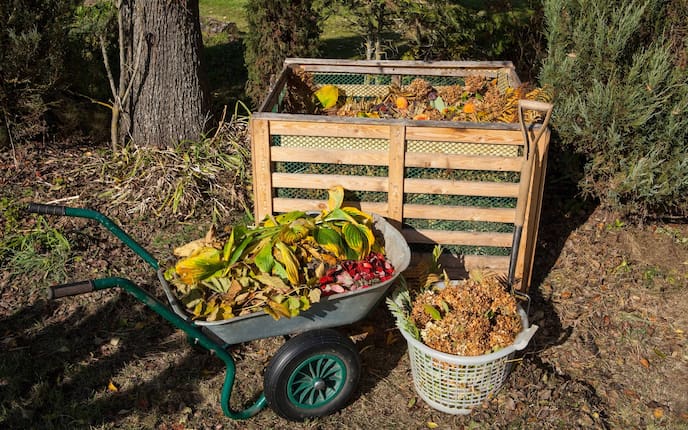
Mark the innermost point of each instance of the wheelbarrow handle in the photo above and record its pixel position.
(40, 208)
(70, 289)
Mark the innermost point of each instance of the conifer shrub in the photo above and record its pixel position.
(33, 37)
(277, 30)
(619, 73)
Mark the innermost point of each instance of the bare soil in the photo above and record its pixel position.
(610, 300)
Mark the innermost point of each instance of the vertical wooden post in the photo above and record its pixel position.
(262, 172)
(397, 158)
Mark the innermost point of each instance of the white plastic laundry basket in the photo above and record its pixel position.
(455, 384)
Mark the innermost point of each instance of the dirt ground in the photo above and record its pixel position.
(610, 300)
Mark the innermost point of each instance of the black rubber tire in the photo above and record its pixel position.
(312, 375)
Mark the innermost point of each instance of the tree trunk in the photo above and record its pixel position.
(168, 101)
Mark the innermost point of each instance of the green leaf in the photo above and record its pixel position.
(264, 259)
(438, 104)
(329, 239)
(327, 95)
(433, 312)
(229, 246)
(338, 214)
(357, 238)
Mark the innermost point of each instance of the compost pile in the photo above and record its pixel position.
(281, 266)
(479, 99)
(470, 317)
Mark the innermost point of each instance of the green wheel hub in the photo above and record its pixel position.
(316, 381)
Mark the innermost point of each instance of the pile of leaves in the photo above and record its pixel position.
(281, 266)
(479, 99)
(469, 317)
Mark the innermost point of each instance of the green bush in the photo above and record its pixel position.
(619, 74)
(33, 37)
(277, 30)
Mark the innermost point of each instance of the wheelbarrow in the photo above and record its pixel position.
(312, 374)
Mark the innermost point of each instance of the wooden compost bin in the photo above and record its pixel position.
(440, 182)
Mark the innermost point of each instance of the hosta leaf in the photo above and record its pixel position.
(358, 214)
(335, 197)
(291, 264)
(200, 265)
(281, 219)
(239, 251)
(338, 214)
(327, 95)
(295, 231)
(274, 282)
(357, 239)
(329, 240)
(294, 305)
(192, 298)
(279, 270)
(264, 259)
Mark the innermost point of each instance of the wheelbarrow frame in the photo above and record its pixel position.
(216, 337)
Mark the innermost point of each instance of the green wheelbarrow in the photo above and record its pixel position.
(312, 374)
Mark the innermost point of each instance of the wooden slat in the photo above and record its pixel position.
(315, 181)
(262, 183)
(459, 213)
(461, 188)
(457, 267)
(338, 127)
(286, 205)
(302, 155)
(397, 151)
(467, 162)
(465, 135)
(458, 237)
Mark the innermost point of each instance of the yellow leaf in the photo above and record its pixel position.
(432, 425)
(658, 413)
(314, 295)
(291, 264)
(112, 387)
(199, 265)
(327, 95)
(279, 309)
(335, 198)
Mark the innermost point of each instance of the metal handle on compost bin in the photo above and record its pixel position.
(70, 289)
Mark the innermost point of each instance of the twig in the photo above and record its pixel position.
(64, 199)
(9, 134)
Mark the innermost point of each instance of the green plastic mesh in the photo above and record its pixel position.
(464, 250)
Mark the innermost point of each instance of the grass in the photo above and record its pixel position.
(225, 10)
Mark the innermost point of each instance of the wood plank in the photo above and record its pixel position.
(461, 188)
(466, 135)
(260, 159)
(286, 205)
(465, 162)
(457, 267)
(446, 237)
(315, 181)
(332, 156)
(397, 151)
(459, 213)
(336, 128)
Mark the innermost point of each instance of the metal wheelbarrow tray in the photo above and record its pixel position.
(331, 311)
(312, 374)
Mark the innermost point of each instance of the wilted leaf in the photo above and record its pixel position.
(357, 239)
(203, 263)
(314, 295)
(433, 312)
(291, 263)
(432, 425)
(327, 95)
(279, 309)
(335, 197)
(112, 387)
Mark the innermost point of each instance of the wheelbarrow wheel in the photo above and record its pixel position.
(312, 375)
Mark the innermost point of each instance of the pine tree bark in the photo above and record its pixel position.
(162, 57)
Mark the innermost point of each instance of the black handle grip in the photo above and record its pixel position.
(40, 208)
(71, 289)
